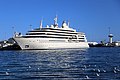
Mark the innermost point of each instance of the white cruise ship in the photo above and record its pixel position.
(52, 37)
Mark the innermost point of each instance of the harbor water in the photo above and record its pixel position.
(66, 64)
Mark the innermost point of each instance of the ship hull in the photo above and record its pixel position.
(45, 43)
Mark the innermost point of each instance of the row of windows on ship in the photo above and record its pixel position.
(62, 37)
(58, 41)
(53, 29)
(60, 34)
(42, 35)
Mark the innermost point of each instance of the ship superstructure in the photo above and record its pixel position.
(52, 37)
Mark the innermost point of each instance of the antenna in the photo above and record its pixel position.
(40, 24)
(55, 20)
(30, 27)
(68, 23)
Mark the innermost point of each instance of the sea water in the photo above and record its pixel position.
(65, 64)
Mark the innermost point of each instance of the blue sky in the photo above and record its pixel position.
(90, 16)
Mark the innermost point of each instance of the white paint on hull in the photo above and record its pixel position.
(44, 43)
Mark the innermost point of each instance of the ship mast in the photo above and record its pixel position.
(55, 21)
(40, 24)
(68, 23)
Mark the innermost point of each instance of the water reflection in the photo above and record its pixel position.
(68, 64)
(30, 64)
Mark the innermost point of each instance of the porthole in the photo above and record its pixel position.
(27, 46)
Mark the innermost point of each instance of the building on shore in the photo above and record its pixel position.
(111, 43)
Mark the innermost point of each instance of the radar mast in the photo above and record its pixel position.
(55, 21)
(40, 24)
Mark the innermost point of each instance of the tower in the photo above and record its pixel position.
(110, 38)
